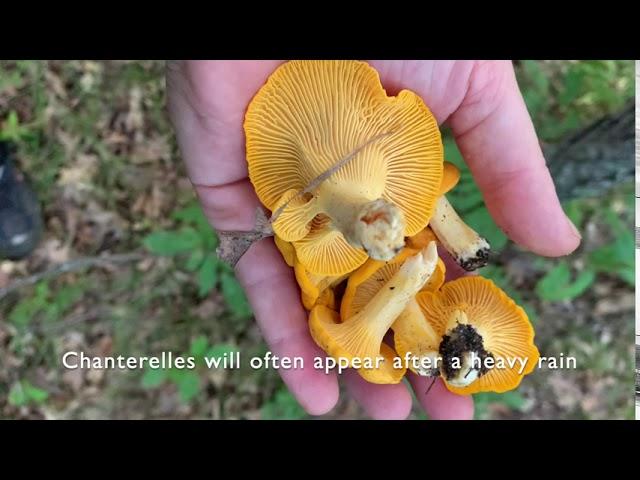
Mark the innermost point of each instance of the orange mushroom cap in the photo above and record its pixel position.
(450, 178)
(476, 308)
(312, 114)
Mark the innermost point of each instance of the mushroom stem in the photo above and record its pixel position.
(366, 221)
(416, 341)
(373, 224)
(361, 335)
(469, 249)
(463, 352)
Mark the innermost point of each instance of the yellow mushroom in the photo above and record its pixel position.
(316, 288)
(469, 249)
(358, 337)
(373, 162)
(450, 178)
(486, 339)
(415, 340)
(286, 250)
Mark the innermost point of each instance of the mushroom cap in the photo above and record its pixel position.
(313, 288)
(310, 115)
(386, 373)
(450, 178)
(286, 250)
(504, 327)
(422, 238)
(365, 282)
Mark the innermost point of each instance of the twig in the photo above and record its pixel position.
(315, 183)
(71, 266)
(73, 320)
(234, 244)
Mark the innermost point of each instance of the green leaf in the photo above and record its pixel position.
(480, 220)
(557, 285)
(235, 297)
(283, 406)
(207, 275)
(171, 243)
(199, 346)
(17, 395)
(513, 400)
(628, 274)
(189, 386)
(194, 215)
(154, 377)
(35, 394)
(219, 350)
(575, 211)
(572, 87)
(452, 153)
(191, 214)
(27, 309)
(22, 393)
(194, 261)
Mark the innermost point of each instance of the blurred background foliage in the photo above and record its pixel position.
(95, 142)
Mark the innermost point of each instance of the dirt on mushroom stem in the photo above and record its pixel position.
(460, 341)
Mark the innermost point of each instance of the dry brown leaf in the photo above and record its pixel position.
(55, 84)
(54, 251)
(151, 150)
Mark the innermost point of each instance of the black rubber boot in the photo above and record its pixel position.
(20, 221)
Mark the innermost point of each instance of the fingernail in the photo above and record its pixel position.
(574, 229)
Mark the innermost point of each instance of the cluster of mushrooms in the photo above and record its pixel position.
(356, 182)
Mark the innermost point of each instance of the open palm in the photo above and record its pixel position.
(482, 104)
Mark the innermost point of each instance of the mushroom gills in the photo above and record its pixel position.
(469, 250)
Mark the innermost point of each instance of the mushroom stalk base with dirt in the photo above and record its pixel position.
(463, 352)
(469, 249)
(360, 336)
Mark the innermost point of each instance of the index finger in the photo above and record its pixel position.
(498, 141)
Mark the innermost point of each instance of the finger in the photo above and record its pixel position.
(497, 139)
(380, 402)
(273, 293)
(438, 402)
(207, 101)
(274, 296)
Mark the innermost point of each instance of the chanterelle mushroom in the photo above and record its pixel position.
(360, 335)
(414, 338)
(348, 171)
(469, 249)
(486, 339)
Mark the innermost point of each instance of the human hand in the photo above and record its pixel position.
(482, 104)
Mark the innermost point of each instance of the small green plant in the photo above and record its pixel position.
(557, 284)
(187, 381)
(24, 393)
(615, 258)
(282, 406)
(45, 304)
(13, 130)
(193, 242)
(513, 401)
